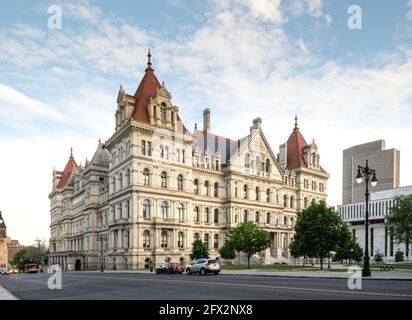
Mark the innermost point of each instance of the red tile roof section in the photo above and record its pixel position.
(67, 172)
(295, 145)
(147, 89)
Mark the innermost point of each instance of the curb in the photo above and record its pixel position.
(5, 292)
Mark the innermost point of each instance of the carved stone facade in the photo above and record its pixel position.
(153, 187)
(4, 242)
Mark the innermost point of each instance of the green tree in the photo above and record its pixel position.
(19, 259)
(249, 239)
(400, 219)
(199, 250)
(399, 256)
(378, 257)
(228, 251)
(319, 230)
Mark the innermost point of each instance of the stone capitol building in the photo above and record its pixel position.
(154, 187)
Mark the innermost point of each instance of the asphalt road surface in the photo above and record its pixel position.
(139, 286)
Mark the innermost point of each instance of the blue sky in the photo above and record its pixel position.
(242, 58)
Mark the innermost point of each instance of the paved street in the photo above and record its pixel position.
(126, 286)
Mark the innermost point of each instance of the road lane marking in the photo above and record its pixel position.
(389, 294)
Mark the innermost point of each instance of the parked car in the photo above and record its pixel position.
(3, 272)
(170, 268)
(203, 267)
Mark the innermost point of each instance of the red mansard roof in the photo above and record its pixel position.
(147, 89)
(67, 172)
(295, 145)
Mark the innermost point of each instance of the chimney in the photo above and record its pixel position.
(206, 119)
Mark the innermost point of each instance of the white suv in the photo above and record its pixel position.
(203, 266)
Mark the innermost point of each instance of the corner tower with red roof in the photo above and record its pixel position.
(301, 164)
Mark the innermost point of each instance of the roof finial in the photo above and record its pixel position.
(296, 121)
(71, 152)
(149, 60)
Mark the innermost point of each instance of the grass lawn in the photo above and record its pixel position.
(284, 267)
(280, 267)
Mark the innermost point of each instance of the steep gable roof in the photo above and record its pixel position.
(296, 143)
(67, 172)
(147, 89)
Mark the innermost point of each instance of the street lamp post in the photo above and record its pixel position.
(367, 173)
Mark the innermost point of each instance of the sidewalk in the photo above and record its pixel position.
(377, 275)
(6, 295)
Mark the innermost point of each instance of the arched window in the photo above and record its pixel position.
(163, 179)
(163, 112)
(257, 192)
(267, 167)
(292, 204)
(257, 216)
(285, 221)
(114, 184)
(207, 187)
(268, 195)
(268, 218)
(215, 241)
(245, 216)
(146, 239)
(236, 218)
(180, 182)
(216, 216)
(146, 174)
(195, 236)
(180, 240)
(127, 209)
(128, 180)
(197, 214)
(285, 200)
(306, 202)
(180, 211)
(163, 239)
(247, 160)
(216, 190)
(207, 215)
(163, 209)
(245, 191)
(206, 240)
(120, 180)
(146, 208)
(196, 186)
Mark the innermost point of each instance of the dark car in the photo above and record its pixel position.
(170, 268)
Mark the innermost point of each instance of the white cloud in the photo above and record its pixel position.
(16, 106)
(409, 11)
(268, 10)
(315, 8)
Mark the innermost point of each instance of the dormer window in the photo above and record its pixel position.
(163, 112)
